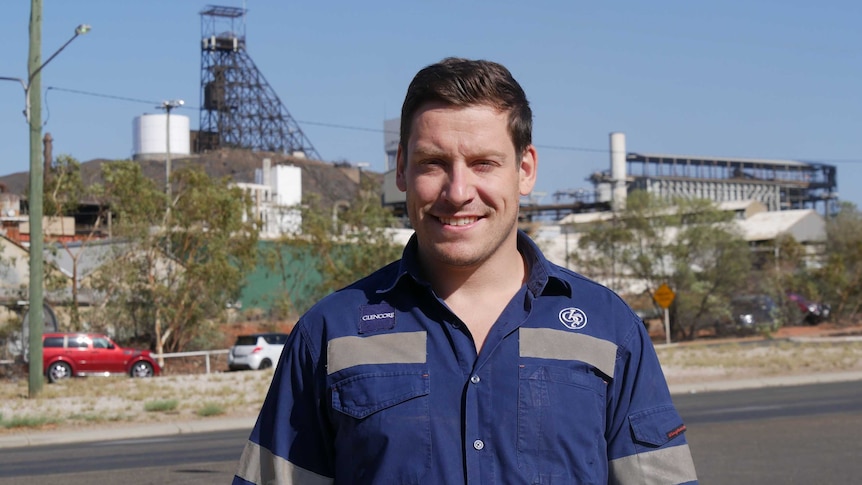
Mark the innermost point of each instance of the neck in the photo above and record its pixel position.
(506, 270)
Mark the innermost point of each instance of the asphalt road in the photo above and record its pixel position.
(779, 435)
(198, 458)
(787, 435)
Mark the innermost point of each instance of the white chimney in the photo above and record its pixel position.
(267, 169)
(618, 170)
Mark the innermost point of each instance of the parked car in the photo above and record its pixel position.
(812, 312)
(67, 355)
(256, 351)
(751, 314)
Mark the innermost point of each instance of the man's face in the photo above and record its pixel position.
(463, 181)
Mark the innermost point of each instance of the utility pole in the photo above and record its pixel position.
(168, 106)
(33, 114)
(34, 199)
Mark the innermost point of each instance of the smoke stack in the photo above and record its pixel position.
(267, 171)
(48, 150)
(618, 170)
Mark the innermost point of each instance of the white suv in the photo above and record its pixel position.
(256, 351)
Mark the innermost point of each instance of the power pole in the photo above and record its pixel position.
(34, 103)
(33, 114)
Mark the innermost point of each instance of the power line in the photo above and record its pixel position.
(574, 149)
(98, 95)
(346, 127)
(380, 130)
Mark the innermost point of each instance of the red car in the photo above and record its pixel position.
(82, 354)
(812, 312)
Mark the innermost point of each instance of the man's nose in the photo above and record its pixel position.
(459, 189)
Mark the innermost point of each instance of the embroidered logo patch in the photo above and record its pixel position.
(573, 318)
(676, 432)
(376, 318)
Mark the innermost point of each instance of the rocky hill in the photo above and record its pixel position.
(332, 181)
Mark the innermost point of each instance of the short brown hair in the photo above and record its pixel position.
(464, 82)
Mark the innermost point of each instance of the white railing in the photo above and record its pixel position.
(205, 353)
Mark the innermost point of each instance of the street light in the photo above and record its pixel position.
(79, 30)
(168, 106)
(33, 114)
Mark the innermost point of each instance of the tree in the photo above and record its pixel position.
(688, 244)
(63, 194)
(181, 263)
(348, 241)
(840, 277)
(632, 246)
(710, 261)
(64, 188)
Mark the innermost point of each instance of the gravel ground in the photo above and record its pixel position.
(90, 402)
(100, 401)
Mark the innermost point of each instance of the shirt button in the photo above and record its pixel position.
(475, 379)
(456, 325)
(478, 444)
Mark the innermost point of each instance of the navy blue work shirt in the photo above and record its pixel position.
(381, 383)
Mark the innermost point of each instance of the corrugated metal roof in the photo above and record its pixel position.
(90, 255)
(805, 225)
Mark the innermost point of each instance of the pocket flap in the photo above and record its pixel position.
(365, 394)
(656, 426)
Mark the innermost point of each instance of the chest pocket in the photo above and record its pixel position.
(561, 422)
(382, 426)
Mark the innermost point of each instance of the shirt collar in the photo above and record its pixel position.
(544, 277)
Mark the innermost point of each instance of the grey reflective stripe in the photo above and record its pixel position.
(388, 348)
(258, 465)
(662, 466)
(546, 343)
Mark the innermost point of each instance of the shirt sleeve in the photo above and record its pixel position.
(645, 433)
(291, 442)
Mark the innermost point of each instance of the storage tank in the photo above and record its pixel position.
(150, 132)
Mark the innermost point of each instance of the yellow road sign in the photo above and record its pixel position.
(663, 296)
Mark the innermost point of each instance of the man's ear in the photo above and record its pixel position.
(400, 167)
(527, 170)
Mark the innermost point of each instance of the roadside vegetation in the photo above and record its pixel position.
(734, 360)
(170, 286)
(122, 401)
(698, 251)
(125, 401)
(177, 266)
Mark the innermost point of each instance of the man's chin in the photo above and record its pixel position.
(455, 255)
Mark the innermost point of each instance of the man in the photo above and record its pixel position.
(472, 359)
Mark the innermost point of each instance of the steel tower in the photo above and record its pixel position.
(239, 109)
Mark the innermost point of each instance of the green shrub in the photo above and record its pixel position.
(27, 422)
(163, 406)
(210, 409)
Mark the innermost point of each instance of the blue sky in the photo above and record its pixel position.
(754, 78)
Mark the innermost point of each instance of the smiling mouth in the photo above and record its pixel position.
(458, 221)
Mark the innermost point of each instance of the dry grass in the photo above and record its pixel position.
(100, 401)
(685, 363)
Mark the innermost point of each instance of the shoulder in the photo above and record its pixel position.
(606, 314)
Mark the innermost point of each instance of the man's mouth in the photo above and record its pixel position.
(458, 221)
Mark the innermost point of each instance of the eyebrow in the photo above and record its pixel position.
(435, 151)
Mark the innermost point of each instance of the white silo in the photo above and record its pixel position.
(618, 170)
(150, 136)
